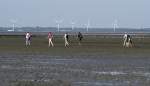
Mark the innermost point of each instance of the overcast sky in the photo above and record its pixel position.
(101, 13)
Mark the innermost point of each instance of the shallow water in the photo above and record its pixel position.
(80, 71)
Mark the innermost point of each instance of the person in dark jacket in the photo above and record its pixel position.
(80, 37)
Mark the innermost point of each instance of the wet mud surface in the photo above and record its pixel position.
(93, 70)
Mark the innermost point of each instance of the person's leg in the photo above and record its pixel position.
(124, 43)
(80, 41)
(26, 42)
(66, 42)
(51, 42)
(130, 43)
(29, 42)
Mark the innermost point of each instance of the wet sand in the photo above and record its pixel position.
(77, 71)
(100, 62)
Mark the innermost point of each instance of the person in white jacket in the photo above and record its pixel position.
(66, 38)
(28, 39)
(124, 39)
(127, 40)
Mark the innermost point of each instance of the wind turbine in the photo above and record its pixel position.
(72, 25)
(87, 25)
(58, 24)
(115, 25)
(13, 21)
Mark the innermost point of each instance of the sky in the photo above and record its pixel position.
(100, 13)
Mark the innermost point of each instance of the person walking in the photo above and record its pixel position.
(66, 38)
(127, 40)
(80, 37)
(28, 39)
(50, 36)
(124, 39)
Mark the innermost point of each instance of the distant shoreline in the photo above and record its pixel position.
(72, 33)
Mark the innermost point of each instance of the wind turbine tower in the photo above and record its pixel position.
(87, 26)
(115, 25)
(72, 25)
(58, 24)
(13, 26)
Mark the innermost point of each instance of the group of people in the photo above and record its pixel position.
(50, 38)
(127, 39)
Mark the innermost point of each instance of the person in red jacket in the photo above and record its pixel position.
(50, 37)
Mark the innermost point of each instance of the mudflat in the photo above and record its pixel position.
(97, 62)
